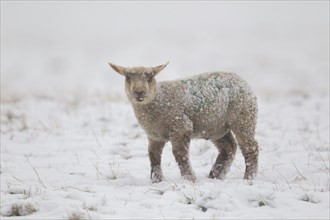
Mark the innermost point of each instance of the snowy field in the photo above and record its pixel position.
(71, 147)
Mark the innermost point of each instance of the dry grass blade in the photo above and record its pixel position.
(40, 180)
(324, 163)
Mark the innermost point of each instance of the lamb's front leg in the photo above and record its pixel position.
(180, 149)
(155, 154)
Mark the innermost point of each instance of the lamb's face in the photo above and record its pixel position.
(140, 86)
(140, 83)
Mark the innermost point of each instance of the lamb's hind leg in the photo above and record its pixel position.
(227, 146)
(250, 150)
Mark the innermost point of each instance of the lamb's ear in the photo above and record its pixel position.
(118, 69)
(157, 69)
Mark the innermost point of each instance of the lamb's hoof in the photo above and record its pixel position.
(249, 176)
(156, 180)
(156, 177)
(214, 174)
(190, 177)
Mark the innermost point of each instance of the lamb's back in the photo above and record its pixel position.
(205, 99)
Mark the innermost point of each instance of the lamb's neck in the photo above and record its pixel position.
(145, 106)
(150, 109)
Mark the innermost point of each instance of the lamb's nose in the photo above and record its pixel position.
(138, 93)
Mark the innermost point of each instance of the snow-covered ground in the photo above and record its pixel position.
(71, 147)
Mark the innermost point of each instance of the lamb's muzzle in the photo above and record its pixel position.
(139, 95)
(219, 106)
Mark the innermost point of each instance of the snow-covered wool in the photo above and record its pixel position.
(219, 106)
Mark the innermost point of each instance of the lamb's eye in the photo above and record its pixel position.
(149, 78)
(128, 79)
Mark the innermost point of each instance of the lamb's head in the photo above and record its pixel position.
(140, 83)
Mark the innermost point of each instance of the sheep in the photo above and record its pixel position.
(216, 106)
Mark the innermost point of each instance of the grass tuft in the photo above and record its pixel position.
(21, 209)
(262, 203)
(310, 198)
(79, 215)
(203, 208)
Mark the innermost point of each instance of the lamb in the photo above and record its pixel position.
(219, 106)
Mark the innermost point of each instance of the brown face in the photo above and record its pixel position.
(140, 83)
(140, 87)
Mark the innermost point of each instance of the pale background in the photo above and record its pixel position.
(71, 147)
(63, 47)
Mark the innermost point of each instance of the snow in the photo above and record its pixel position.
(71, 147)
(92, 159)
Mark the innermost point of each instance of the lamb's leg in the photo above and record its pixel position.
(180, 149)
(155, 153)
(250, 150)
(227, 149)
